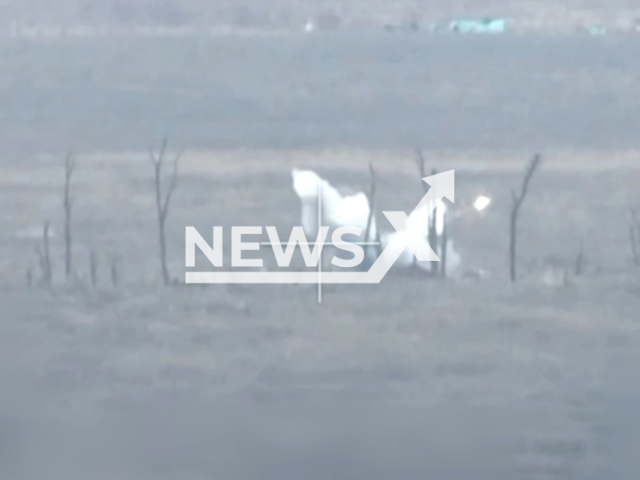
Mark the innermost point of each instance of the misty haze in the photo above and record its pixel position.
(123, 122)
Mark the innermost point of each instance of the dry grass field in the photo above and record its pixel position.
(412, 378)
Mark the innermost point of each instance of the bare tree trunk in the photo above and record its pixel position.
(515, 210)
(44, 257)
(69, 167)
(372, 216)
(421, 170)
(372, 196)
(443, 250)
(432, 237)
(512, 244)
(433, 234)
(162, 202)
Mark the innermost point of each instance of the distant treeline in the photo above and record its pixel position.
(325, 14)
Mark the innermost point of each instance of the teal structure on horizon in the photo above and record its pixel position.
(483, 25)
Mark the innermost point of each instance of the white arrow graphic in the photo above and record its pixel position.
(442, 186)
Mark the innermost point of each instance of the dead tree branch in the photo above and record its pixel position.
(433, 234)
(69, 167)
(515, 210)
(443, 249)
(439, 245)
(44, 257)
(421, 167)
(372, 220)
(163, 200)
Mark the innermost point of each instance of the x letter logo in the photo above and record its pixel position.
(412, 239)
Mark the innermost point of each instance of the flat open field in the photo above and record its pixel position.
(413, 378)
(367, 90)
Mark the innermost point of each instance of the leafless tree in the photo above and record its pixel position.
(515, 210)
(69, 167)
(372, 214)
(44, 257)
(433, 234)
(438, 245)
(163, 200)
(443, 249)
